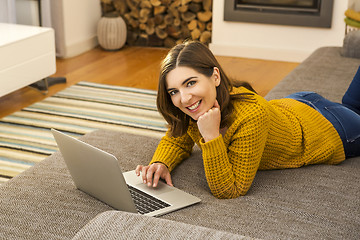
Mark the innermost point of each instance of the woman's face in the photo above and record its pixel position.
(192, 92)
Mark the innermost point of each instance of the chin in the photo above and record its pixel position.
(196, 117)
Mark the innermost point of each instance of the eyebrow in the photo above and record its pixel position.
(184, 82)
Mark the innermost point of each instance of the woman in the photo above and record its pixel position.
(238, 131)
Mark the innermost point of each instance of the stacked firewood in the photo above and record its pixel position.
(163, 22)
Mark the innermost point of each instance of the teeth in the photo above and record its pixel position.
(194, 106)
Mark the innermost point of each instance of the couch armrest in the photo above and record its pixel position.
(123, 225)
(351, 46)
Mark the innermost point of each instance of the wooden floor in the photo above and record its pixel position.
(139, 67)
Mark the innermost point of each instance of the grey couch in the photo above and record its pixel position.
(314, 202)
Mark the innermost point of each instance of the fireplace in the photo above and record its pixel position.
(308, 13)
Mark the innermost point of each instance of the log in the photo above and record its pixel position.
(174, 32)
(169, 42)
(209, 26)
(135, 13)
(155, 3)
(188, 16)
(144, 15)
(195, 7)
(145, 4)
(207, 5)
(204, 16)
(131, 4)
(183, 8)
(175, 4)
(159, 19)
(169, 19)
(195, 34)
(166, 2)
(162, 26)
(150, 26)
(159, 10)
(142, 26)
(177, 21)
(201, 26)
(193, 24)
(174, 12)
(205, 37)
(185, 31)
(121, 6)
(160, 33)
(185, 2)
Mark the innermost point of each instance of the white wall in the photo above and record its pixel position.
(75, 24)
(27, 12)
(355, 5)
(274, 42)
(7, 11)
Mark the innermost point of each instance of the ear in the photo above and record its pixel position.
(216, 75)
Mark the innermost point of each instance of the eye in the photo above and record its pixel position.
(190, 83)
(172, 92)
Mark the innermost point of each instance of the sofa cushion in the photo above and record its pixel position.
(121, 225)
(325, 72)
(314, 202)
(351, 46)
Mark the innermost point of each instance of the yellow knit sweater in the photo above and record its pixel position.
(264, 135)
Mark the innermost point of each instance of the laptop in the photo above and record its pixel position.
(98, 174)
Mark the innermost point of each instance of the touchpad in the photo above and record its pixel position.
(160, 189)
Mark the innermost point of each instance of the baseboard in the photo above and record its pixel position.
(77, 48)
(286, 55)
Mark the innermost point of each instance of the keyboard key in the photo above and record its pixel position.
(144, 202)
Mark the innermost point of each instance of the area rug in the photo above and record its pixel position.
(25, 136)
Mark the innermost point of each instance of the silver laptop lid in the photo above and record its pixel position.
(88, 172)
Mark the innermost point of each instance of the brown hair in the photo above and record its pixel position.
(197, 56)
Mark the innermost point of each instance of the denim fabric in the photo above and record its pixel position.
(351, 98)
(345, 121)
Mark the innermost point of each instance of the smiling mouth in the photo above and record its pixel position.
(194, 106)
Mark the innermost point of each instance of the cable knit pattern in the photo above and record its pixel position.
(264, 135)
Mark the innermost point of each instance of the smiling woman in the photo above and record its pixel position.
(200, 67)
(196, 94)
(238, 131)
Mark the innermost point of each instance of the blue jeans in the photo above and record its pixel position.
(344, 117)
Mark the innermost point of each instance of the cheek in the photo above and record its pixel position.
(175, 100)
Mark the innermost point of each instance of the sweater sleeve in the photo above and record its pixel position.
(231, 170)
(172, 150)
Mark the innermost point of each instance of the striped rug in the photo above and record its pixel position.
(25, 136)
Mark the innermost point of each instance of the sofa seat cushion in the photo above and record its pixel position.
(121, 225)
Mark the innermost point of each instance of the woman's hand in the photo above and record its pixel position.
(209, 123)
(152, 173)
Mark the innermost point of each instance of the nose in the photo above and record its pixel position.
(185, 97)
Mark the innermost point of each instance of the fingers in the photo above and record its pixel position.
(151, 174)
(168, 180)
(209, 123)
(216, 104)
(138, 169)
(156, 179)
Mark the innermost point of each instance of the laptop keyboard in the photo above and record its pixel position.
(144, 202)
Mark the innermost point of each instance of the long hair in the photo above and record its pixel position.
(197, 56)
